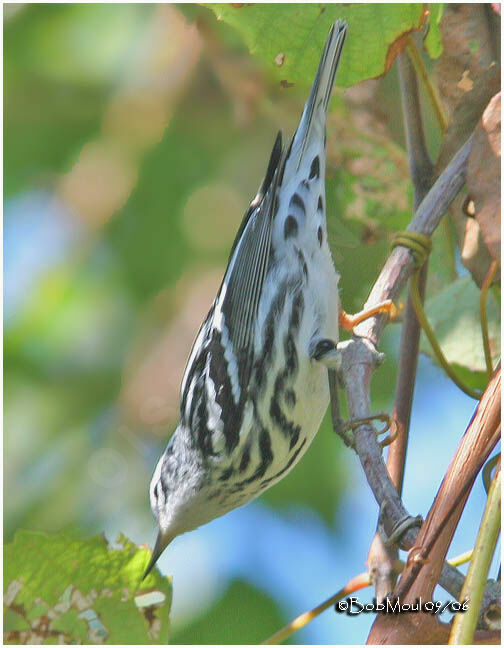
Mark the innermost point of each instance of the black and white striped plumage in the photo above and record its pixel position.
(255, 387)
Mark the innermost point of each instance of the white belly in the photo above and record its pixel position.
(293, 416)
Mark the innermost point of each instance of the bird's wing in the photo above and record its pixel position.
(223, 349)
(241, 289)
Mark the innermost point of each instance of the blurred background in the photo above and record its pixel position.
(134, 138)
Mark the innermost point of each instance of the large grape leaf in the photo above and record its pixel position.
(291, 36)
(455, 317)
(61, 590)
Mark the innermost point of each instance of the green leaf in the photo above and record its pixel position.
(13, 621)
(432, 42)
(454, 316)
(298, 31)
(70, 624)
(62, 590)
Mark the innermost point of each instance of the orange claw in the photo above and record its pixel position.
(347, 322)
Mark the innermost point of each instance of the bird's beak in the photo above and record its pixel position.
(162, 541)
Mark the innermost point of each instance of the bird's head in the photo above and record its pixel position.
(162, 541)
(177, 497)
(159, 500)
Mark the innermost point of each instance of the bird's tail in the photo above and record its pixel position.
(315, 110)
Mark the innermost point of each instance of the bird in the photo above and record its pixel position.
(255, 388)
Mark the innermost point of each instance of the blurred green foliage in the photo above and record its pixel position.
(89, 318)
(254, 617)
(144, 130)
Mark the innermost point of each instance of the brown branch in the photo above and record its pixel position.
(421, 167)
(399, 265)
(425, 560)
(381, 558)
(406, 376)
(422, 177)
(359, 357)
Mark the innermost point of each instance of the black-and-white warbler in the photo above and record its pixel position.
(255, 387)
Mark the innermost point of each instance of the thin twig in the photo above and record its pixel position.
(431, 90)
(464, 625)
(359, 357)
(421, 167)
(406, 377)
(486, 473)
(449, 241)
(381, 558)
(425, 560)
(400, 264)
(355, 584)
(436, 348)
(422, 570)
(358, 582)
(422, 177)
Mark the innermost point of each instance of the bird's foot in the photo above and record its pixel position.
(345, 428)
(348, 322)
